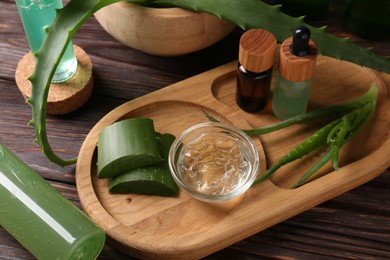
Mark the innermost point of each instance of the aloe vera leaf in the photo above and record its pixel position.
(348, 123)
(368, 97)
(311, 144)
(355, 121)
(318, 165)
(126, 145)
(366, 113)
(58, 35)
(245, 13)
(336, 137)
(320, 138)
(334, 110)
(149, 180)
(249, 14)
(334, 156)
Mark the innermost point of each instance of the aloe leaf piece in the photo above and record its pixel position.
(127, 145)
(244, 13)
(150, 180)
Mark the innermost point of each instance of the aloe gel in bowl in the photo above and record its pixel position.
(40, 218)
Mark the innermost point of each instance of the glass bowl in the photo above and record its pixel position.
(214, 162)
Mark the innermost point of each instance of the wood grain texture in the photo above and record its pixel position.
(257, 50)
(294, 68)
(64, 97)
(354, 225)
(152, 227)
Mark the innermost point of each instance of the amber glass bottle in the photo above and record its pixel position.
(254, 72)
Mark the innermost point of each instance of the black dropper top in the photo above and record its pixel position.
(300, 45)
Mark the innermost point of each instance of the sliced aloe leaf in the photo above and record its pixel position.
(126, 145)
(150, 180)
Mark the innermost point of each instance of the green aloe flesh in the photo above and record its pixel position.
(246, 14)
(126, 145)
(150, 180)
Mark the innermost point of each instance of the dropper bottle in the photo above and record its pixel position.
(254, 72)
(297, 61)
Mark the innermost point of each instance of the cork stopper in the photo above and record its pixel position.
(257, 50)
(63, 97)
(298, 56)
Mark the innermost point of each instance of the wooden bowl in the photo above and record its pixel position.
(162, 31)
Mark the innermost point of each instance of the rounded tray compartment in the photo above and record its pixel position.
(156, 227)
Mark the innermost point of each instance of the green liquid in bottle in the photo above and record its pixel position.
(40, 218)
(35, 16)
(290, 98)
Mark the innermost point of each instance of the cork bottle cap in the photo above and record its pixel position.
(257, 50)
(298, 55)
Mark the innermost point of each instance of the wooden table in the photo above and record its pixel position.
(354, 225)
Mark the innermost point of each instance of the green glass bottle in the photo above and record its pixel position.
(297, 61)
(40, 218)
(35, 16)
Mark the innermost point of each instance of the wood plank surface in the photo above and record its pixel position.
(354, 225)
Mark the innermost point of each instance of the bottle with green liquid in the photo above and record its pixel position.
(40, 218)
(36, 15)
(297, 61)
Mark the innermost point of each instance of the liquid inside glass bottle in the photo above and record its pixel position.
(253, 89)
(254, 73)
(36, 15)
(297, 61)
(290, 98)
(40, 218)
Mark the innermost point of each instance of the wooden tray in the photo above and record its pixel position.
(156, 227)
